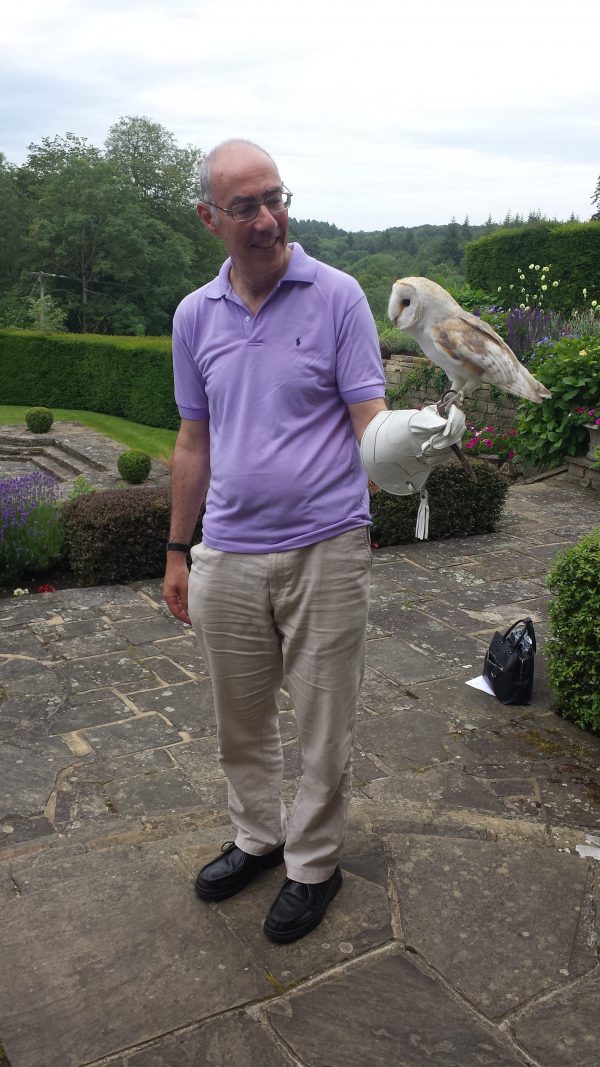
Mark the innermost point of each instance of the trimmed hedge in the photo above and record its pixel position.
(573, 650)
(127, 376)
(39, 420)
(572, 249)
(458, 506)
(134, 466)
(119, 535)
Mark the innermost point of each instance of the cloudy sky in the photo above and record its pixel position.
(379, 112)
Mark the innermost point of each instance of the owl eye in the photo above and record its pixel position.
(405, 303)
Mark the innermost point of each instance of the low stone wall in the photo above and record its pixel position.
(482, 408)
(581, 472)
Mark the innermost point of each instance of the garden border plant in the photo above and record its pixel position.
(573, 650)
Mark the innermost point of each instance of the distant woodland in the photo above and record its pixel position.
(106, 240)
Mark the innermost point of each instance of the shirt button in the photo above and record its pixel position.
(247, 318)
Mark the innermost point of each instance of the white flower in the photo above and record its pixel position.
(543, 278)
(594, 303)
(531, 266)
(545, 268)
(522, 306)
(537, 266)
(512, 287)
(555, 284)
(584, 291)
(544, 287)
(499, 288)
(21, 592)
(583, 352)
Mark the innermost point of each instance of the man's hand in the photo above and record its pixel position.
(175, 586)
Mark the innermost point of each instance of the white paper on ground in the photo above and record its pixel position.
(481, 683)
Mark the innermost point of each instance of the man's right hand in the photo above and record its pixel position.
(175, 586)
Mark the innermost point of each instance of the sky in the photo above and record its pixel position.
(378, 112)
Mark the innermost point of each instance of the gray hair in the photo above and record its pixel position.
(206, 167)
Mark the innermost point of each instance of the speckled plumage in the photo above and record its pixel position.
(466, 347)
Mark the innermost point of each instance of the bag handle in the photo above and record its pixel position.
(528, 627)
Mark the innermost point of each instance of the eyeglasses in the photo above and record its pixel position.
(247, 210)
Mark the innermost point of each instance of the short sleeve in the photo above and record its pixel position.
(190, 394)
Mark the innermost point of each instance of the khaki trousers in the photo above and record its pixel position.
(299, 615)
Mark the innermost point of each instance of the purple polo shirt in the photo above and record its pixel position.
(285, 462)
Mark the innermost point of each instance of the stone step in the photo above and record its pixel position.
(87, 461)
(48, 463)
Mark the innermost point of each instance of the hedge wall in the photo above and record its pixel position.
(127, 376)
(571, 249)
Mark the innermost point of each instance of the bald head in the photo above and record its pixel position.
(223, 156)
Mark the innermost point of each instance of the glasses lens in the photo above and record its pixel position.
(245, 212)
(274, 203)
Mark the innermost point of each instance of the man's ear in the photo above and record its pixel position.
(206, 218)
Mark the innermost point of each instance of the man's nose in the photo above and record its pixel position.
(265, 218)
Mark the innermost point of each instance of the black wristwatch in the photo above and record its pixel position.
(177, 546)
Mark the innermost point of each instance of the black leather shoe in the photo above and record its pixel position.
(300, 907)
(231, 871)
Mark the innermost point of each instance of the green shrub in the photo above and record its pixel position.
(39, 420)
(118, 535)
(458, 506)
(571, 249)
(573, 650)
(134, 466)
(551, 431)
(130, 377)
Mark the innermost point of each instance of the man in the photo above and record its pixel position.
(277, 374)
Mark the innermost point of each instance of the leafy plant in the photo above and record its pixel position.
(134, 466)
(39, 420)
(457, 506)
(31, 533)
(573, 650)
(550, 431)
(80, 486)
(118, 535)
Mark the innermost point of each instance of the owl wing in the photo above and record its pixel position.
(469, 342)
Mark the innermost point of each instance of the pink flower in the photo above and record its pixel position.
(592, 411)
(512, 433)
(581, 411)
(488, 442)
(47, 588)
(510, 454)
(471, 443)
(597, 423)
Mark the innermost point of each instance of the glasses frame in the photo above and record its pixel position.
(259, 203)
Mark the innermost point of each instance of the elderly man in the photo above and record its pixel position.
(277, 373)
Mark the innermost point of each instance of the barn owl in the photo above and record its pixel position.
(466, 347)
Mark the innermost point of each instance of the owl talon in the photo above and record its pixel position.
(453, 396)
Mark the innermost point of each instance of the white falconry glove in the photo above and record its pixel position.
(400, 448)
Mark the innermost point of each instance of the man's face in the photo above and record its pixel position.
(258, 248)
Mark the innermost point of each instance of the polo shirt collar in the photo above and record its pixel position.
(301, 268)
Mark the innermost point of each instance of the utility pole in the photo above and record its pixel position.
(40, 275)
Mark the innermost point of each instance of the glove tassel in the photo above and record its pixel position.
(422, 529)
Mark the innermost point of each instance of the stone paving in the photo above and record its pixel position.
(466, 931)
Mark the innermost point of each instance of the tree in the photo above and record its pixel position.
(596, 200)
(166, 176)
(124, 268)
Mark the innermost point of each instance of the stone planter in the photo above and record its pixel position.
(594, 432)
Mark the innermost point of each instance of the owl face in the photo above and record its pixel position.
(404, 308)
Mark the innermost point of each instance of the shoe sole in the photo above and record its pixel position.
(284, 937)
(271, 860)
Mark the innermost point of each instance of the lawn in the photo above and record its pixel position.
(156, 442)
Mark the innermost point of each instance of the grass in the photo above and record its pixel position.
(156, 442)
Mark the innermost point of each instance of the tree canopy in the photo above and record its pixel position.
(109, 241)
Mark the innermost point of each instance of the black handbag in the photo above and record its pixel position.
(508, 664)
